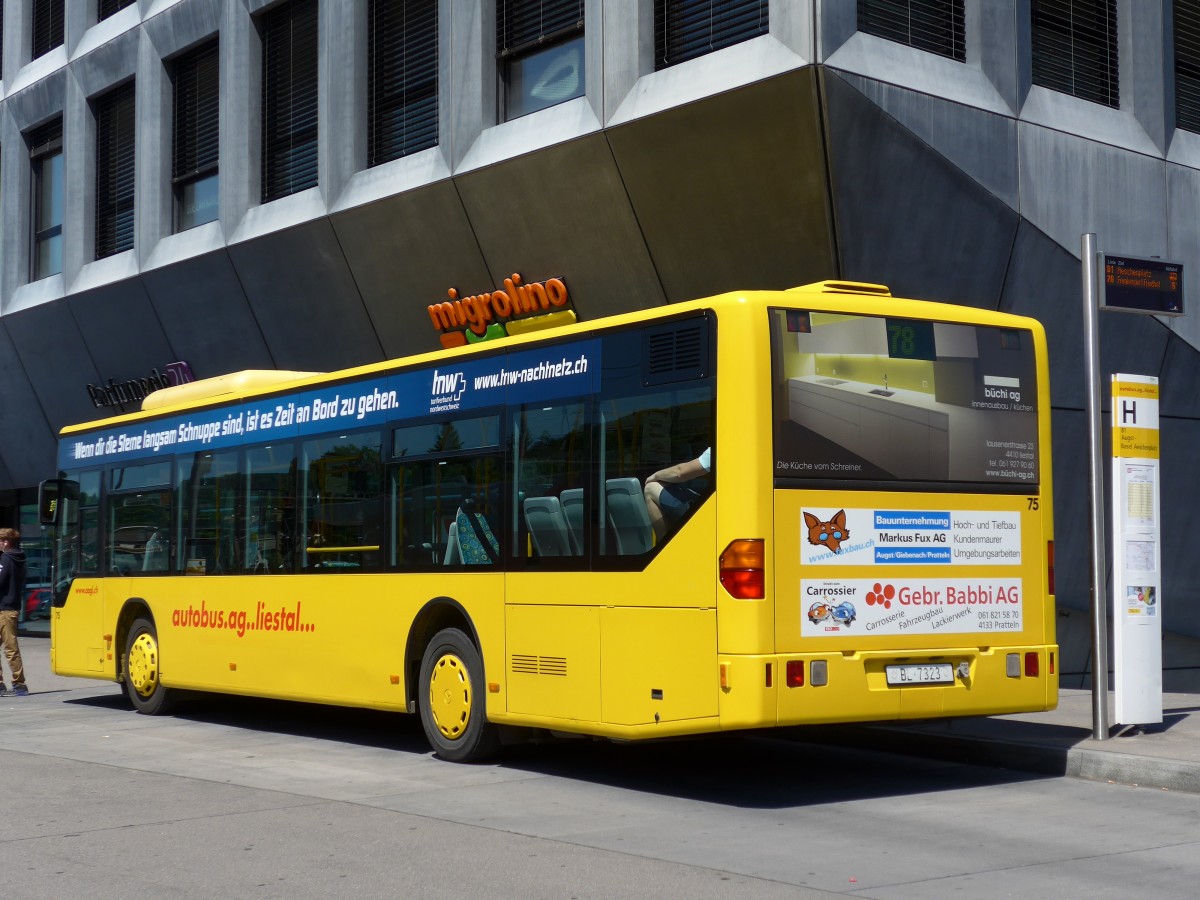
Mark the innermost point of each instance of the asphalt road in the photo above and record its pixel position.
(243, 798)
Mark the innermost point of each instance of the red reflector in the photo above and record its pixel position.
(795, 673)
(744, 584)
(741, 568)
(1050, 567)
(1051, 663)
(1031, 664)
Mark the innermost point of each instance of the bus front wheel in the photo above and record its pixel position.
(142, 671)
(453, 700)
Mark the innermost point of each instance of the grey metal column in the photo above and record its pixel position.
(1089, 265)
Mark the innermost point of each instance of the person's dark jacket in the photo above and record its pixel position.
(12, 578)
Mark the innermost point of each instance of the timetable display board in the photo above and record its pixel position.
(1141, 285)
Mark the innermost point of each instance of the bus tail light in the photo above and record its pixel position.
(1050, 567)
(1051, 667)
(1032, 665)
(795, 673)
(741, 568)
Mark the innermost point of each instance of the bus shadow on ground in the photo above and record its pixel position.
(754, 770)
(359, 727)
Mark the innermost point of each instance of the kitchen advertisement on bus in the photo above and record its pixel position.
(875, 398)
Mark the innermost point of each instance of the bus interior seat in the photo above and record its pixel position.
(572, 507)
(628, 516)
(547, 526)
(453, 555)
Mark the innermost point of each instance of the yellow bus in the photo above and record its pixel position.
(765, 508)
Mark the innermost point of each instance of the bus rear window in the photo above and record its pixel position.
(889, 399)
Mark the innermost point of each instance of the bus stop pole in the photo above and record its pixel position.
(1091, 304)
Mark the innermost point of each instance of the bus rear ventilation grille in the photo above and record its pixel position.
(675, 352)
(528, 664)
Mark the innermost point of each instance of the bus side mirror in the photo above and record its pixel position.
(55, 495)
(48, 492)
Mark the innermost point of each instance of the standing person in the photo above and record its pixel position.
(667, 494)
(12, 590)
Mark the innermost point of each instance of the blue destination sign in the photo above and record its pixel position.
(528, 376)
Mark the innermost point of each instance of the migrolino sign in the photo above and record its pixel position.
(118, 393)
(518, 308)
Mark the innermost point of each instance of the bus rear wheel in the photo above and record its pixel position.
(453, 701)
(142, 671)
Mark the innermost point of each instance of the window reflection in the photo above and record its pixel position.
(544, 78)
(342, 486)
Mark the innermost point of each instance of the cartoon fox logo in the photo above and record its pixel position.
(829, 534)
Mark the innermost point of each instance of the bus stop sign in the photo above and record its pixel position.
(1142, 286)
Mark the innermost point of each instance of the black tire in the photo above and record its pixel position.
(453, 700)
(142, 671)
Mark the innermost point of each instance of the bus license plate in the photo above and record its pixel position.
(931, 673)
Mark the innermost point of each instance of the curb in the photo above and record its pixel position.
(1042, 759)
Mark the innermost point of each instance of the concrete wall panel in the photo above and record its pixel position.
(1072, 508)
(405, 252)
(981, 143)
(1180, 516)
(562, 211)
(58, 363)
(124, 336)
(1178, 396)
(1183, 237)
(1043, 281)
(1071, 185)
(304, 298)
(206, 317)
(731, 192)
(27, 452)
(906, 217)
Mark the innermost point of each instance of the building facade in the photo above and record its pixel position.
(194, 187)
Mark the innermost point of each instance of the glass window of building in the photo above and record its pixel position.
(402, 68)
(114, 170)
(685, 29)
(539, 44)
(936, 26)
(111, 7)
(1187, 64)
(47, 26)
(46, 165)
(1075, 48)
(289, 99)
(196, 153)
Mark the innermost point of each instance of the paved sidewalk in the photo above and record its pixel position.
(1059, 742)
(1166, 756)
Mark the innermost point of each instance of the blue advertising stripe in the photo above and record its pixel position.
(908, 518)
(898, 555)
(526, 376)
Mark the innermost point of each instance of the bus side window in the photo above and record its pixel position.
(78, 547)
(139, 518)
(270, 474)
(210, 517)
(551, 461)
(343, 488)
(446, 493)
(643, 436)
